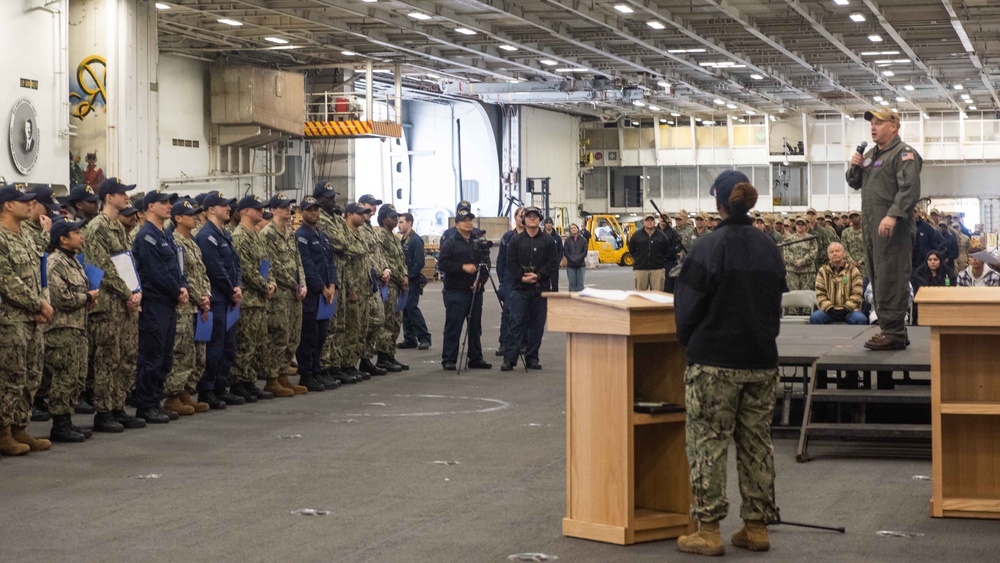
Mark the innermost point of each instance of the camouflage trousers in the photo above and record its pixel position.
(376, 321)
(357, 319)
(189, 357)
(130, 348)
(66, 356)
(109, 353)
(251, 345)
(724, 404)
(333, 348)
(391, 327)
(284, 331)
(21, 353)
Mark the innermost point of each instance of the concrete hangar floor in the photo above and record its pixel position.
(420, 466)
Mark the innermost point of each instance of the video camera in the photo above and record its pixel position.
(481, 247)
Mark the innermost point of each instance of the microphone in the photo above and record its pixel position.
(861, 150)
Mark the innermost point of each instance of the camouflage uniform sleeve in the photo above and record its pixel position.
(340, 238)
(95, 252)
(198, 284)
(397, 267)
(64, 297)
(13, 289)
(252, 280)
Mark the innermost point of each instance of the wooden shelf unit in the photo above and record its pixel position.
(965, 399)
(627, 475)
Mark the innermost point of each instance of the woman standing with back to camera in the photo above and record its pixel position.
(728, 307)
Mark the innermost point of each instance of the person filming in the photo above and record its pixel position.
(463, 294)
(530, 265)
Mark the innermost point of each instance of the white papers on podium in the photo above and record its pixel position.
(125, 268)
(619, 295)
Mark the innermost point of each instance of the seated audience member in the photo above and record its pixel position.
(934, 272)
(978, 275)
(838, 291)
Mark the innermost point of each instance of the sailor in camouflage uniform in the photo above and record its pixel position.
(251, 330)
(66, 336)
(380, 272)
(23, 309)
(398, 284)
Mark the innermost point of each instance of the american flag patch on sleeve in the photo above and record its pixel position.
(906, 156)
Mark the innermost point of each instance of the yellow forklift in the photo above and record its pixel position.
(609, 240)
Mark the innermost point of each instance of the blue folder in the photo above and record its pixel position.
(265, 268)
(401, 301)
(325, 310)
(385, 293)
(80, 258)
(202, 330)
(232, 315)
(94, 275)
(45, 270)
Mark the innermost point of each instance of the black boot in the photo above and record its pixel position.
(257, 392)
(328, 380)
(62, 430)
(152, 415)
(241, 390)
(83, 406)
(213, 402)
(371, 369)
(385, 362)
(351, 374)
(229, 398)
(87, 432)
(401, 366)
(127, 420)
(313, 384)
(105, 422)
(39, 416)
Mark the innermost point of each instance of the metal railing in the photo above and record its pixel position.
(342, 106)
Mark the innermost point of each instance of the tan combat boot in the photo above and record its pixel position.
(10, 446)
(753, 536)
(297, 389)
(34, 444)
(291, 369)
(277, 389)
(174, 404)
(706, 541)
(186, 399)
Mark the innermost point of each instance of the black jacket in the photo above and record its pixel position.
(922, 277)
(949, 243)
(728, 298)
(158, 264)
(222, 264)
(576, 251)
(317, 263)
(455, 252)
(927, 239)
(413, 253)
(531, 254)
(649, 251)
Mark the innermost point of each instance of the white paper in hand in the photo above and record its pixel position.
(125, 268)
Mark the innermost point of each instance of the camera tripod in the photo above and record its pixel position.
(482, 271)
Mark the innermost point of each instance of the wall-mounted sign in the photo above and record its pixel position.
(24, 136)
(612, 155)
(30, 84)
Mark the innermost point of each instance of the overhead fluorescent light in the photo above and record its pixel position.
(698, 119)
(418, 16)
(508, 47)
(718, 102)
(663, 84)
(654, 108)
(710, 123)
(841, 2)
(434, 76)
(972, 108)
(162, 6)
(900, 99)
(970, 102)
(635, 123)
(875, 38)
(348, 53)
(908, 87)
(877, 98)
(966, 96)
(756, 76)
(774, 118)
(884, 103)
(731, 106)
(369, 1)
(958, 87)
(751, 112)
(870, 53)
(663, 121)
(888, 52)
(228, 21)
(548, 62)
(277, 40)
(655, 24)
(857, 18)
(515, 81)
(464, 31)
(623, 8)
(571, 70)
(741, 120)
(674, 114)
(671, 122)
(926, 116)
(677, 51)
(894, 110)
(638, 103)
(888, 73)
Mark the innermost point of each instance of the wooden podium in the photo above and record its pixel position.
(627, 474)
(965, 399)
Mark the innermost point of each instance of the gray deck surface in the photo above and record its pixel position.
(229, 481)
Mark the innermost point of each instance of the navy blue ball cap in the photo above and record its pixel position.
(251, 202)
(184, 207)
(724, 184)
(309, 203)
(355, 209)
(155, 197)
(82, 192)
(112, 186)
(324, 189)
(43, 194)
(279, 200)
(215, 199)
(387, 210)
(464, 215)
(63, 226)
(129, 210)
(15, 192)
(369, 199)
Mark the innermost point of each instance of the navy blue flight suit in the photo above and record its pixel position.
(321, 271)
(222, 265)
(414, 326)
(504, 289)
(158, 264)
(460, 299)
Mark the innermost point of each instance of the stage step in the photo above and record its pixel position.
(908, 396)
(856, 430)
